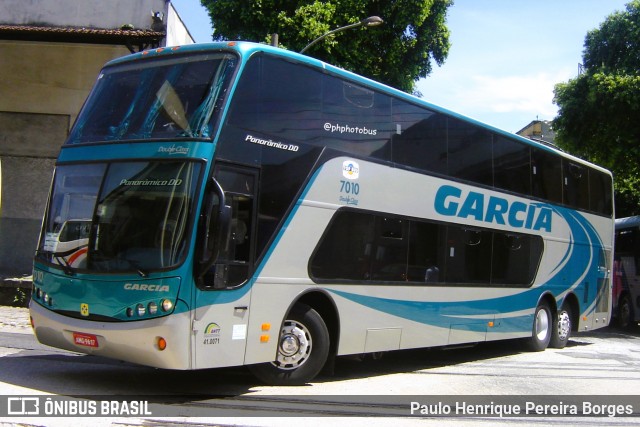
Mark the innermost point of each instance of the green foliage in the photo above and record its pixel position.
(20, 297)
(397, 53)
(599, 110)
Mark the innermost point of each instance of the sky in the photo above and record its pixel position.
(505, 58)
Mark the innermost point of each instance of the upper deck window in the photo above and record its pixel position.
(173, 97)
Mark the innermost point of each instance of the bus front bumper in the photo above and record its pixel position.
(136, 342)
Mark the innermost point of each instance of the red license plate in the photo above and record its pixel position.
(86, 340)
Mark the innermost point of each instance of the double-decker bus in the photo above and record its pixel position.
(240, 204)
(626, 280)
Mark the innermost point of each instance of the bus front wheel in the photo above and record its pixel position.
(303, 348)
(541, 329)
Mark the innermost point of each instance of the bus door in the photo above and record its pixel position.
(222, 293)
(603, 289)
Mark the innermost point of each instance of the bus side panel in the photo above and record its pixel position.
(220, 327)
(376, 316)
(282, 278)
(429, 316)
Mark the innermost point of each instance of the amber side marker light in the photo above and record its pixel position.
(161, 343)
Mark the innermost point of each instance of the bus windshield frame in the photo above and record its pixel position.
(161, 98)
(120, 217)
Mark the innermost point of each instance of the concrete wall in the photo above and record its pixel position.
(177, 32)
(25, 187)
(80, 13)
(50, 78)
(42, 88)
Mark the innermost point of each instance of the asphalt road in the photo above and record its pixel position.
(476, 384)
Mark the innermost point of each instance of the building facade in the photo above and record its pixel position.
(50, 54)
(539, 130)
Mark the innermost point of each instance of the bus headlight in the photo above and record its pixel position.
(166, 305)
(141, 310)
(153, 308)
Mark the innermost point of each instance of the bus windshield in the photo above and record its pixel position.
(172, 97)
(117, 217)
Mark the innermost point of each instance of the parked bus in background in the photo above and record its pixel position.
(626, 281)
(241, 204)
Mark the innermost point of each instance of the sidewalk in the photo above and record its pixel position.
(14, 319)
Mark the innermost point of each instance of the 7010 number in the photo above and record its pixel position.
(349, 187)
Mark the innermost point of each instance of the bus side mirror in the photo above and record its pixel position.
(213, 230)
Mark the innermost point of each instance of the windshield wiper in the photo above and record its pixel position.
(60, 258)
(66, 267)
(136, 266)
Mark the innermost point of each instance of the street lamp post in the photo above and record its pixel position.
(371, 21)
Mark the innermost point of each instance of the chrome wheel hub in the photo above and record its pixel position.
(294, 347)
(542, 325)
(564, 325)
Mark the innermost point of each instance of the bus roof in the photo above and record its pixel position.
(628, 222)
(246, 49)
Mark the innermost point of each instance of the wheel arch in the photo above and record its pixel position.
(551, 302)
(322, 302)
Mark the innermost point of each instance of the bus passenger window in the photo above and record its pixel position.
(470, 152)
(546, 176)
(341, 257)
(427, 249)
(515, 258)
(421, 139)
(600, 192)
(390, 261)
(511, 165)
(575, 185)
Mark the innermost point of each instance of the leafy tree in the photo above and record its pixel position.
(398, 52)
(599, 111)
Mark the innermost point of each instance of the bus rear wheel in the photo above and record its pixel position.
(303, 348)
(541, 329)
(561, 329)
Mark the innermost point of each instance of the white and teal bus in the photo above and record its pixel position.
(240, 204)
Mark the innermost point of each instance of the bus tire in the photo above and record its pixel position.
(625, 312)
(541, 329)
(303, 349)
(562, 327)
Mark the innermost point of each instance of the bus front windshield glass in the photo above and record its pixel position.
(120, 217)
(159, 98)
